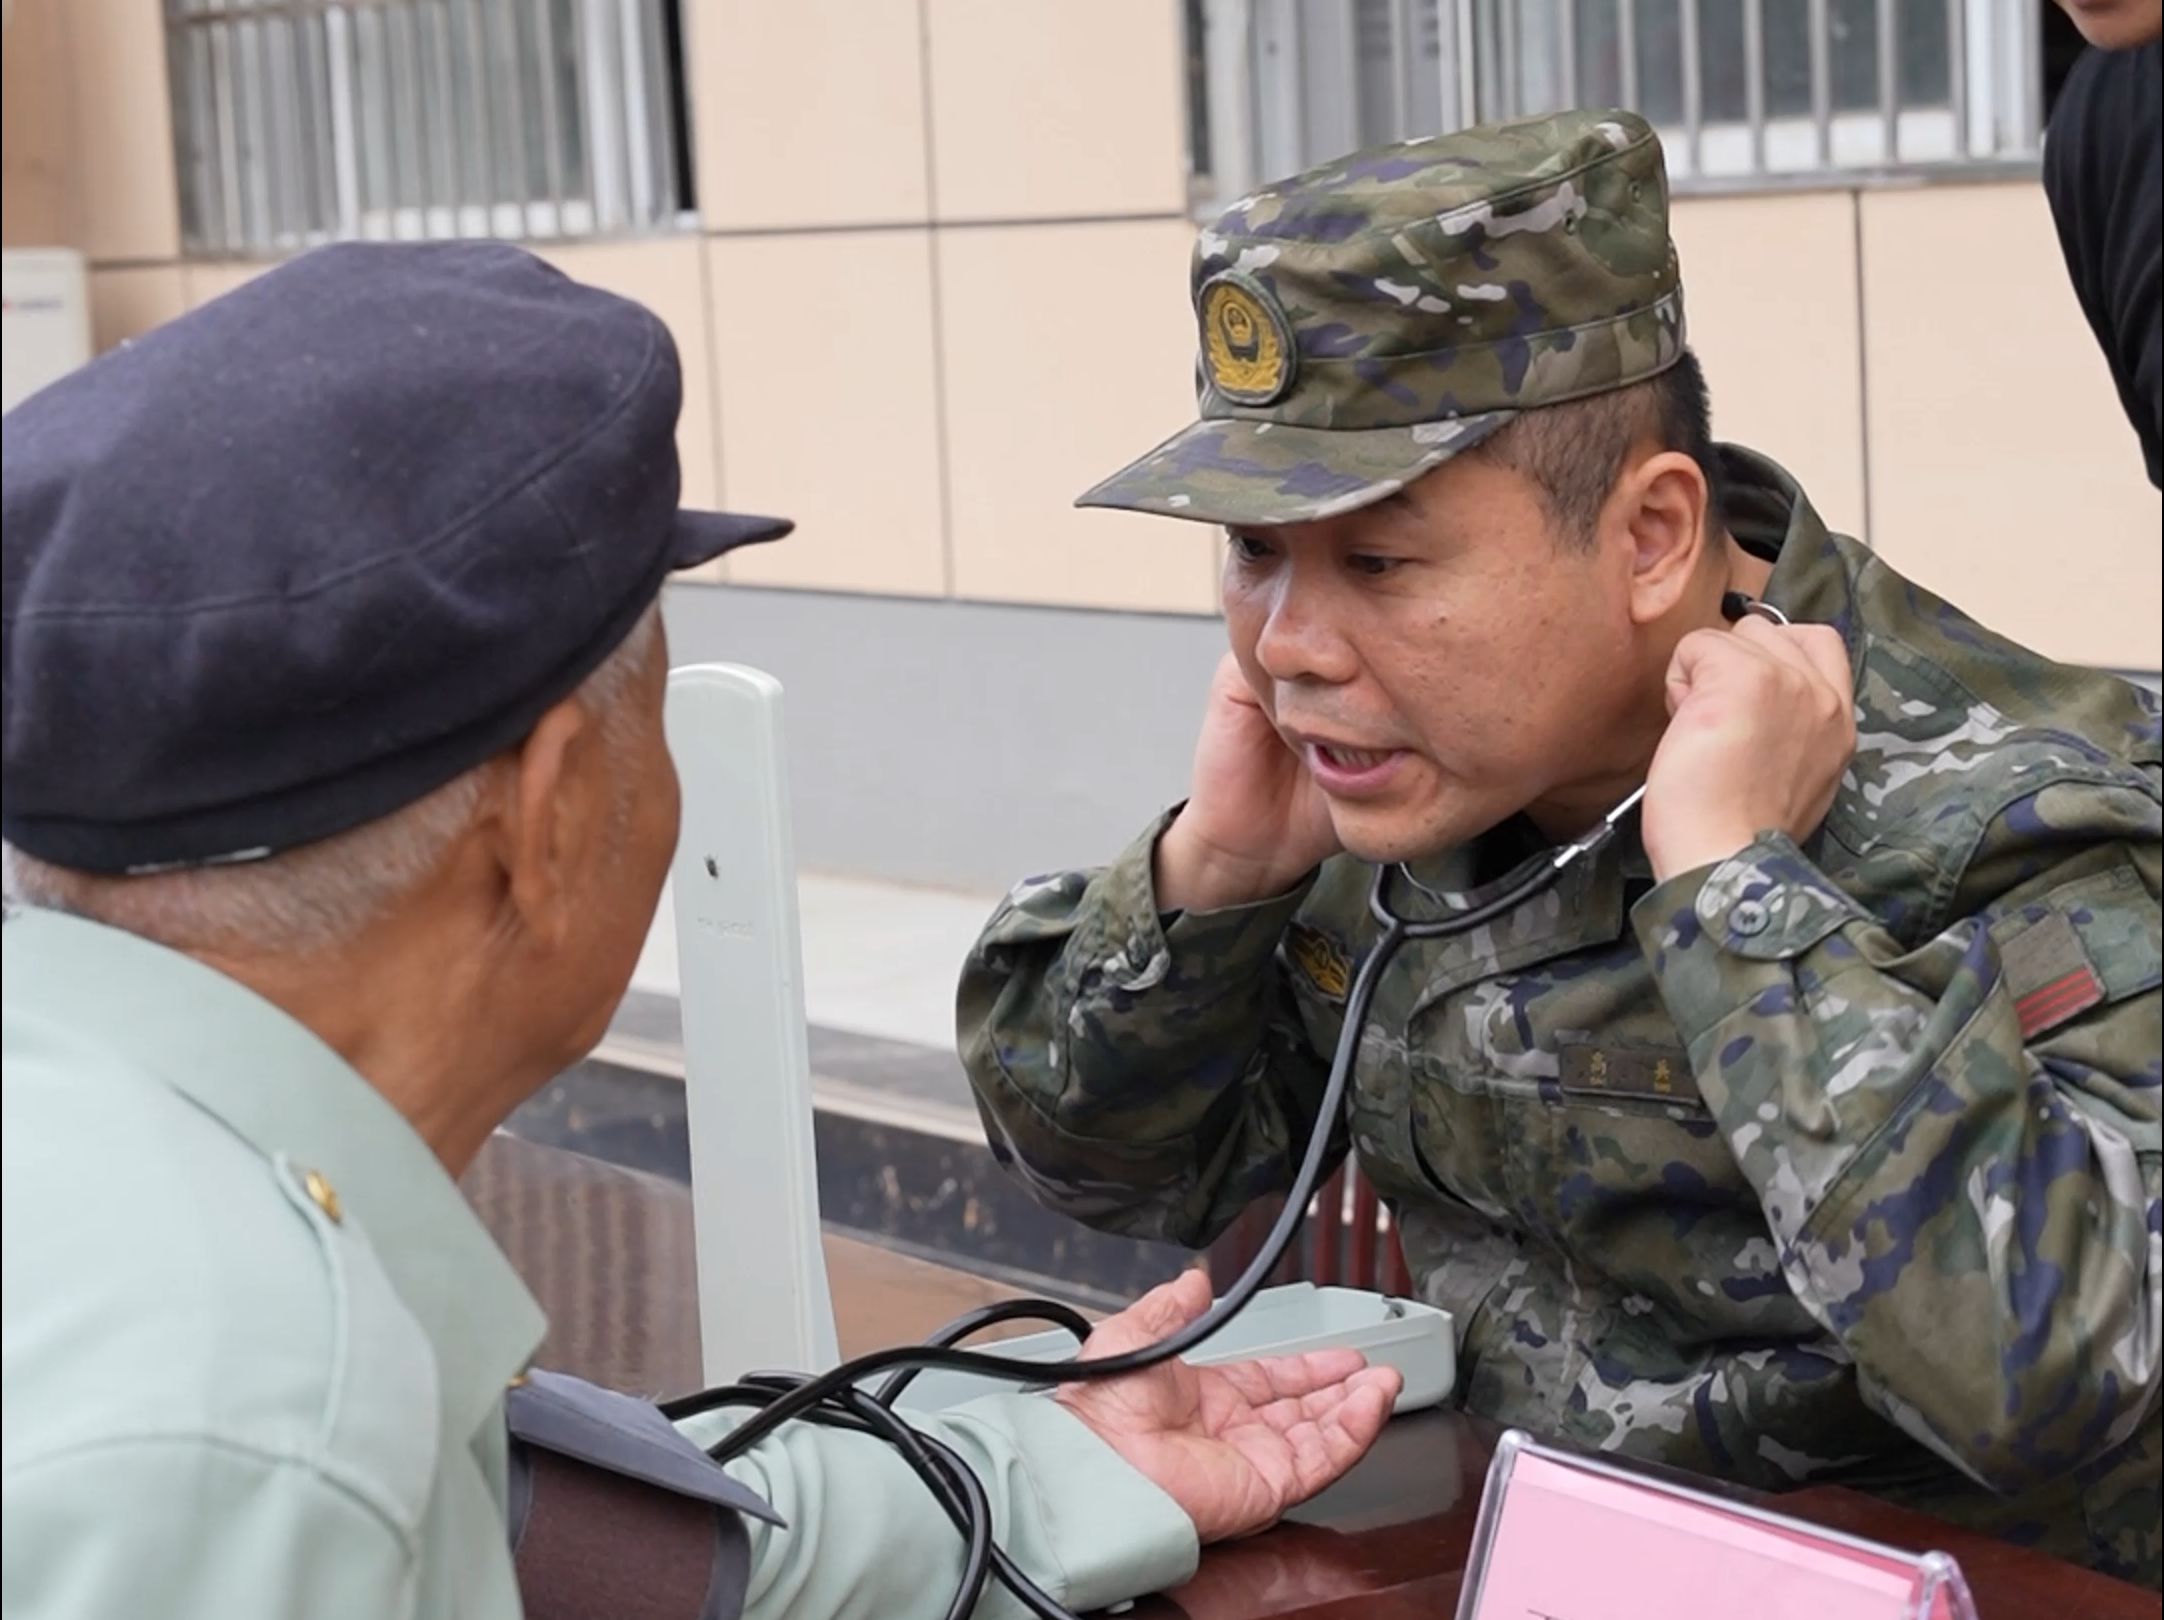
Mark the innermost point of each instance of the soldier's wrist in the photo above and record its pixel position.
(1691, 848)
(1191, 872)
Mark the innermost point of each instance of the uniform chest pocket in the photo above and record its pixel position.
(1630, 1141)
(1578, 1164)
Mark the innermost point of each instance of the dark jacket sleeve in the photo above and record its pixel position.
(2102, 163)
(1145, 1073)
(1955, 1140)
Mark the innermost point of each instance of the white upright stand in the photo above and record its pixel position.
(763, 1299)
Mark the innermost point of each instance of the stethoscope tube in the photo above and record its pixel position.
(919, 1357)
(833, 1399)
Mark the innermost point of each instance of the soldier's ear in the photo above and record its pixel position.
(1657, 515)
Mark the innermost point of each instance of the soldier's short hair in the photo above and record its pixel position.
(1574, 452)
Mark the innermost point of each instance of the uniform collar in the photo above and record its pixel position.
(1813, 569)
(1586, 905)
(273, 1083)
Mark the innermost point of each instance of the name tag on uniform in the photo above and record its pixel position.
(1642, 1074)
(1563, 1537)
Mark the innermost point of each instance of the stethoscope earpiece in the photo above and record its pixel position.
(1736, 606)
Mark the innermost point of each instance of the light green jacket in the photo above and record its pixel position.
(256, 1346)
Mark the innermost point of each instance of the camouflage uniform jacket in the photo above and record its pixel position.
(1825, 1163)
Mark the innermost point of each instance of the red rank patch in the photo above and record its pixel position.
(2050, 1005)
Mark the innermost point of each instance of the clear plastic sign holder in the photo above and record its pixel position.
(1566, 1537)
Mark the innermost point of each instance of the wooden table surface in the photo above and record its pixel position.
(608, 1253)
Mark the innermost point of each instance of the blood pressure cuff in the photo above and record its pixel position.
(614, 1515)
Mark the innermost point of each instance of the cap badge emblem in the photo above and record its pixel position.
(1247, 347)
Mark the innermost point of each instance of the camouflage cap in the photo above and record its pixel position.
(1368, 320)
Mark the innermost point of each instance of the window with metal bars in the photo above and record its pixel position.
(306, 121)
(1745, 93)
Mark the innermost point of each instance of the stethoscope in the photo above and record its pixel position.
(834, 1398)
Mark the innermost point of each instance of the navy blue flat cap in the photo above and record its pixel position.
(298, 558)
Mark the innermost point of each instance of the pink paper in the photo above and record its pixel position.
(1575, 1545)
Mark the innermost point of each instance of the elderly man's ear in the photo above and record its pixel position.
(550, 823)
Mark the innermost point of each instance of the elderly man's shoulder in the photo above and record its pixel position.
(169, 1285)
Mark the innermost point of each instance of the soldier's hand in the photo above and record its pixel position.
(1762, 723)
(1255, 823)
(1235, 1445)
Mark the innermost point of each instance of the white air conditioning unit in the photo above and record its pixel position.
(45, 328)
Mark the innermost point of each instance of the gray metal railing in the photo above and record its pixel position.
(305, 121)
(1746, 93)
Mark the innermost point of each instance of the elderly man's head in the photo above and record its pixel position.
(512, 900)
(334, 657)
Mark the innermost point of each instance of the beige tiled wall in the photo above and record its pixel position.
(809, 112)
(1068, 352)
(89, 147)
(123, 129)
(2003, 472)
(928, 401)
(940, 288)
(128, 303)
(829, 406)
(1053, 109)
(202, 280)
(1770, 304)
(37, 107)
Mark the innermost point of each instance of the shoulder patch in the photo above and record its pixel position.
(2049, 975)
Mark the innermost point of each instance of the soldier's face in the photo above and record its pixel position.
(2116, 25)
(1444, 660)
